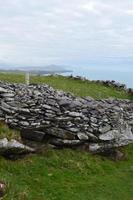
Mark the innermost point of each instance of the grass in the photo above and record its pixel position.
(77, 87)
(5, 131)
(67, 174)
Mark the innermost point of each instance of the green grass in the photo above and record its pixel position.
(5, 131)
(67, 174)
(77, 87)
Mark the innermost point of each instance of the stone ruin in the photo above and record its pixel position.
(52, 117)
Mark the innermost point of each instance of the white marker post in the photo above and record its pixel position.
(27, 78)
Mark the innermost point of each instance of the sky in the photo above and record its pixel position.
(66, 32)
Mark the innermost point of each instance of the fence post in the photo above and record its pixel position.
(27, 78)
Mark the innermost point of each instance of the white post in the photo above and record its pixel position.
(27, 78)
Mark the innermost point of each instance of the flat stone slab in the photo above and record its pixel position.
(13, 147)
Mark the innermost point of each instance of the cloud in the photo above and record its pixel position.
(56, 31)
(129, 12)
(90, 7)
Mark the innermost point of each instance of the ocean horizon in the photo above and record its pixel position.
(117, 74)
(121, 74)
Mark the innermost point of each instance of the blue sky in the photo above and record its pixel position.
(70, 32)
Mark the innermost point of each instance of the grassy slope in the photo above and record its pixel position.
(76, 87)
(67, 174)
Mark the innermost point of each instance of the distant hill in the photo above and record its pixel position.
(48, 69)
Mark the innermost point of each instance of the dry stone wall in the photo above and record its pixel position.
(44, 115)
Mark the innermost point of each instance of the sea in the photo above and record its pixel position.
(119, 74)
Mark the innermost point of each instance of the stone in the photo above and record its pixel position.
(7, 110)
(82, 136)
(92, 136)
(9, 99)
(130, 122)
(110, 135)
(2, 188)
(75, 104)
(3, 142)
(9, 95)
(100, 147)
(126, 136)
(50, 115)
(105, 129)
(13, 144)
(35, 124)
(24, 110)
(63, 119)
(7, 106)
(69, 143)
(60, 133)
(64, 102)
(75, 114)
(45, 106)
(37, 93)
(93, 120)
(13, 147)
(24, 123)
(3, 90)
(52, 102)
(31, 134)
(94, 147)
(74, 130)
(116, 155)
